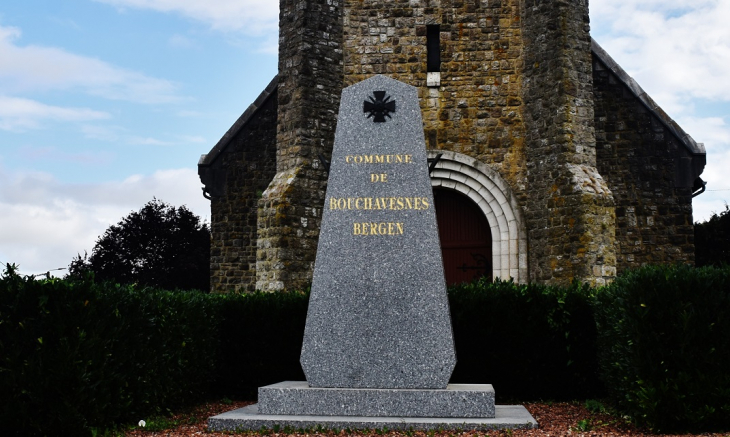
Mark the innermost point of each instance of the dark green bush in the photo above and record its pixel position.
(261, 340)
(665, 346)
(712, 240)
(76, 355)
(158, 246)
(529, 341)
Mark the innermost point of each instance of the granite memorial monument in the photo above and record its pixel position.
(378, 348)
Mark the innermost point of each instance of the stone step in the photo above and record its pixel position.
(298, 398)
(248, 418)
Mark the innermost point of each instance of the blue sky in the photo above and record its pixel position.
(107, 103)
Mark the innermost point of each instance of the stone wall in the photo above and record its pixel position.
(570, 212)
(476, 109)
(640, 158)
(515, 92)
(310, 82)
(236, 173)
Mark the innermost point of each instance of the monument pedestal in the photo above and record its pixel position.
(295, 405)
(298, 398)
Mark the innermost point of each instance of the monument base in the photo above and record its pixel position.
(249, 419)
(295, 405)
(299, 399)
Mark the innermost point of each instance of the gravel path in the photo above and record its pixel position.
(554, 419)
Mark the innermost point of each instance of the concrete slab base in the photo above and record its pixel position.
(249, 419)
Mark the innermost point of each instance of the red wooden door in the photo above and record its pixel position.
(466, 239)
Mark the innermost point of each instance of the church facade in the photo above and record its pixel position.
(549, 163)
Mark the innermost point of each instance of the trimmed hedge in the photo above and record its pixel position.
(79, 355)
(529, 341)
(534, 341)
(261, 339)
(665, 346)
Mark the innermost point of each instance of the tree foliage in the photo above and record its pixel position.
(158, 246)
(712, 240)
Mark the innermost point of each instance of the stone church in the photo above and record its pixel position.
(548, 162)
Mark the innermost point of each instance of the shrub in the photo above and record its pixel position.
(712, 240)
(261, 340)
(529, 341)
(76, 355)
(665, 346)
(158, 246)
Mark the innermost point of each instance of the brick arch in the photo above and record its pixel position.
(494, 197)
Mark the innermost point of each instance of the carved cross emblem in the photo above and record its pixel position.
(379, 106)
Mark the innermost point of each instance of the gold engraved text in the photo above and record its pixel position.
(379, 159)
(381, 228)
(381, 203)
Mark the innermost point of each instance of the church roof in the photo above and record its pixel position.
(692, 146)
(207, 159)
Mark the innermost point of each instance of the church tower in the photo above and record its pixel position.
(543, 150)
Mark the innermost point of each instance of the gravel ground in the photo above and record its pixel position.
(554, 419)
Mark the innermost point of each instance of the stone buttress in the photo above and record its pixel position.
(310, 82)
(570, 212)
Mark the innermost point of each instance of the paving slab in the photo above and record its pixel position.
(249, 419)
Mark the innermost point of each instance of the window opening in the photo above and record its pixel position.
(433, 47)
(433, 53)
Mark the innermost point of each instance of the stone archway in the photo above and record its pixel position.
(483, 185)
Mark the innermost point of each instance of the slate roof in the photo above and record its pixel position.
(691, 145)
(210, 157)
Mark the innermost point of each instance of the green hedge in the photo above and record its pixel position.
(261, 339)
(80, 355)
(665, 346)
(529, 341)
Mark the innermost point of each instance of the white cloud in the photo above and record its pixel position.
(183, 42)
(101, 133)
(47, 222)
(19, 114)
(52, 153)
(252, 17)
(148, 141)
(716, 134)
(710, 202)
(714, 130)
(675, 51)
(193, 139)
(189, 114)
(115, 134)
(38, 68)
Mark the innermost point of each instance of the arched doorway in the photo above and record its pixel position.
(466, 238)
(493, 195)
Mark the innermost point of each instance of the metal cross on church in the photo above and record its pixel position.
(379, 106)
